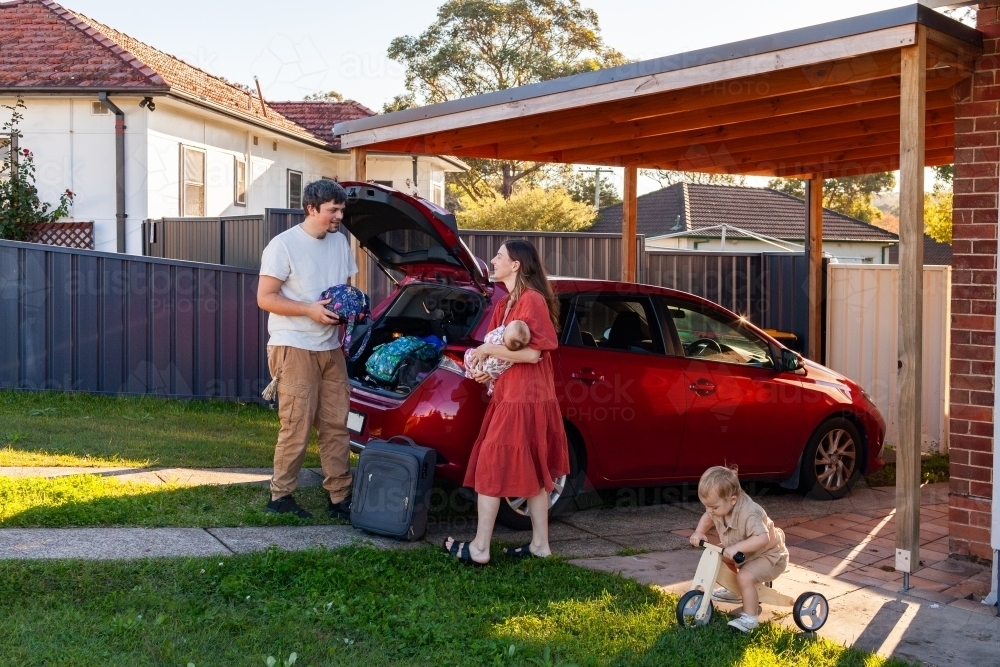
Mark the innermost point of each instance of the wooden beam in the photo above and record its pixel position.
(874, 165)
(910, 304)
(814, 266)
(786, 146)
(629, 212)
(792, 59)
(359, 172)
(849, 120)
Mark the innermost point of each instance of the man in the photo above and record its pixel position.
(303, 351)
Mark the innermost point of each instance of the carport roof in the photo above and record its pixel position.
(817, 100)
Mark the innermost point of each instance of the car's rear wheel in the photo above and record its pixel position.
(514, 512)
(831, 462)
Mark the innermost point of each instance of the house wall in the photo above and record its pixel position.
(845, 252)
(75, 150)
(973, 305)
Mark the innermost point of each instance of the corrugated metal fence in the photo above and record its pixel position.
(768, 288)
(862, 326)
(107, 323)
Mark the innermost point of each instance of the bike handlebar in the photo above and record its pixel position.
(738, 557)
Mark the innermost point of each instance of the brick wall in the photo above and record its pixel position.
(973, 298)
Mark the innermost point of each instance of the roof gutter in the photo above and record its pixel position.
(120, 214)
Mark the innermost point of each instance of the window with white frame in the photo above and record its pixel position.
(240, 182)
(294, 189)
(192, 182)
(437, 194)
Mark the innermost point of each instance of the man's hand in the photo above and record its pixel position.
(318, 313)
(696, 539)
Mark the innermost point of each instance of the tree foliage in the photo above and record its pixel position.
(328, 96)
(851, 196)
(937, 214)
(20, 205)
(581, 186)
(535, 209)
(480, 46)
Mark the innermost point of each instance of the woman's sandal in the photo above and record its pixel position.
(460, 550)
(523, 551)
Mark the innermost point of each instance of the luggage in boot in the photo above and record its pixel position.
(392, 488)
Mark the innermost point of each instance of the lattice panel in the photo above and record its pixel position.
(66, 234)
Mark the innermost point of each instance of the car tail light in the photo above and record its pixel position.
(450, 361)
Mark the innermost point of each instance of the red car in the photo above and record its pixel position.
(655, 385)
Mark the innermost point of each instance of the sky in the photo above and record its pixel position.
(298, 47)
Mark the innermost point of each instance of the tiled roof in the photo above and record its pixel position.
(319, 116)
(935, 254)
(56, 48)
(689, 206)
(44, 45)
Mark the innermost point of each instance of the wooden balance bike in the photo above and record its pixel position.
(809, 611)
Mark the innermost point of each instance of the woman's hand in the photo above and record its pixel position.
(480, 353)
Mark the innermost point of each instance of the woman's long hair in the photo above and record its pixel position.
(532, 275)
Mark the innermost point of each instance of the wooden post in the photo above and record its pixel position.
(814, 263)
(913, 81)
(359, 172)
(628, 225)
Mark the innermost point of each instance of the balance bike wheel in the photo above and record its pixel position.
(810, 611)
(688, 606)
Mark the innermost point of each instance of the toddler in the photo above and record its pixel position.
(743, 526)
(515, 336)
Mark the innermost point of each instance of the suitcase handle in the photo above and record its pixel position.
(409, 441)
(403, 439)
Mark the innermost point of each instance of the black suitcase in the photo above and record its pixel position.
(392, 488)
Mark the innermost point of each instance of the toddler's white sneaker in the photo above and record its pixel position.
(745, 623)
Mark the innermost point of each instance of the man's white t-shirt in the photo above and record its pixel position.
(306, 266)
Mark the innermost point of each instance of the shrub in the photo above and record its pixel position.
(20, 206)
(532, 209)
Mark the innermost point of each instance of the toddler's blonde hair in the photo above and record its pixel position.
(720, 479)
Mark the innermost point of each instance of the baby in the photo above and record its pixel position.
(743, 526)
(515, 336)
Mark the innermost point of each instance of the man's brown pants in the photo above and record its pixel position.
(313, 390)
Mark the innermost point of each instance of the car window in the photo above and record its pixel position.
(716, 337)
(614, 322)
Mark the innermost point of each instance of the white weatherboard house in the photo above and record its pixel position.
(193, 145)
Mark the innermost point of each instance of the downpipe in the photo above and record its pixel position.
(119, 167)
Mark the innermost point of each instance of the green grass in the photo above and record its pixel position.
(63, 429)
(360, 606)
(933, 468)
(93, 500)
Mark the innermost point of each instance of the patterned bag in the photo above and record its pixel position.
(352, 306)
(384, 363)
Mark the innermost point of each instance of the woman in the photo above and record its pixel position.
(522, 445)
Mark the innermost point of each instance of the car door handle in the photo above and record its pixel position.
(702, 387)
(587, 376)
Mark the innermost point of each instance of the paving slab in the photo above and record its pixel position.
(107, 543)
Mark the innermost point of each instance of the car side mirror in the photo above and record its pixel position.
(792, 362)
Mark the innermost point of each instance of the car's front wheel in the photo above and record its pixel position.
(831, 462)
(514, 512)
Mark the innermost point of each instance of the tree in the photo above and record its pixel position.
(20, 206)
(666, 178)
(945, 174)
(580, 186)
(399, 103)
(533, 209)
(937, 214)
(479, 46)
(328, 96)
(850, 196)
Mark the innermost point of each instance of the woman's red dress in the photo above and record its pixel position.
(522, 445)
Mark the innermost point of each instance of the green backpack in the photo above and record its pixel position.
(385, 361)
